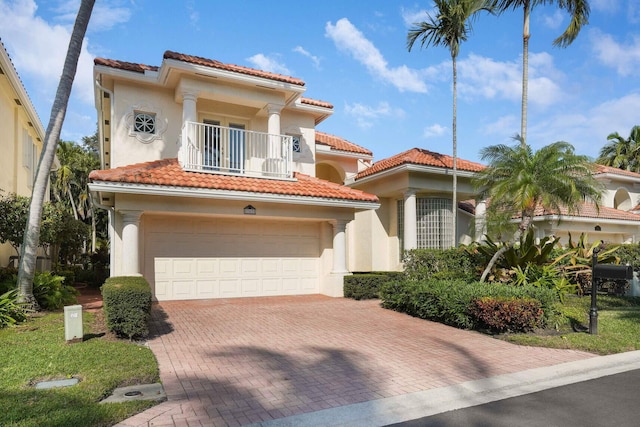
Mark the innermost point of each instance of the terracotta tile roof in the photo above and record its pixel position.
(601, 169)
(231, 67)
(316, 103)
(419, 156)
(168, 172)
(341, 144)
(123, 65)
(588, 210)
(140, 68)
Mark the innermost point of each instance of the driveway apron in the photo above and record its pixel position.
(232, 362)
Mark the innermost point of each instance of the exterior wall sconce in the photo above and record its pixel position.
(598, 228)
(249, 210)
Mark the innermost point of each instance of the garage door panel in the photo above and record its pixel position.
(227, 258)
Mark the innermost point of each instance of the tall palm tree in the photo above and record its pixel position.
(579, 11)
(622, 153)
(449, 26)
(52, 135)
(518, 180)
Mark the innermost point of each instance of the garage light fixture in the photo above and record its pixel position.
(249, 210)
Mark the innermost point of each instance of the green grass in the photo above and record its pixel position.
(618, 327)
(36, 351)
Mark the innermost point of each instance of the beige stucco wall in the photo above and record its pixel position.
(14, 176)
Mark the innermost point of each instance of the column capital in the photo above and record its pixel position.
(410, 192)
(189, 95)
(339, 224)
(274, 108)
(130, 216)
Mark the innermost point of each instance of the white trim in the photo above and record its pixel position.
(414, 168)
(206, 193)
(567, 218)
(616, 177)
(330, 151)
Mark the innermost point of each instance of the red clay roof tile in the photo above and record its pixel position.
(419, 156)
(123, 65)
(588, 210)
(167, 172)
(601, 169)
(231, 67)
(340, 144)
(316, 102)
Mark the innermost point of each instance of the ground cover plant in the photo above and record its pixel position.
(35, 350)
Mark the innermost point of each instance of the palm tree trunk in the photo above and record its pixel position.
(26, 271)
(525, 71)
(454, 130)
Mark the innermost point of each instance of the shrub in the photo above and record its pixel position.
(440, 264)
(52, 293)
(448, 302)
(69, 276)
(127, 306)
(500, 314)
(367, 285)
(10, 311)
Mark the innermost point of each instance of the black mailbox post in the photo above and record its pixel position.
(603, 271)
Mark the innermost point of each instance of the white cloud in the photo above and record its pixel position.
(434, 131)
(38, 48)
(304, 52)
(266, 63)
(367, 115)
(348, 38)
(553, 21)
(486, 78)
(505, 126)
(412, 16)
(624, 58)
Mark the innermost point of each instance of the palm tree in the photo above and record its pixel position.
(579, 11)
(450, 26)
(52, 135)
(518, 180)
(622, 153)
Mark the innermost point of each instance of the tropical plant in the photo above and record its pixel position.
(577, 260)
(11, 311)
(449, 26)
(544, 276)
(519, 181)
(579, 11)
(52, 135)
(51, 292)
(622, 153)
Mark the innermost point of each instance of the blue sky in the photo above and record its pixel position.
(353, 54)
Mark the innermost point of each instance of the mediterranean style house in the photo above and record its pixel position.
(218, 185)
(21, 138)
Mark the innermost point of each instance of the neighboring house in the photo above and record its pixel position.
(21, 139)
(218, 185)
(209, 176)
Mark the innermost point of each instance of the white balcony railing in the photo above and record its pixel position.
(234, 151)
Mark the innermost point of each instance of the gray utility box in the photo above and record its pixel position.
(73, 323)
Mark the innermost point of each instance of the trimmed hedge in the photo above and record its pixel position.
(449, 301)
(127, 306)
(367, 285)
(441, 264)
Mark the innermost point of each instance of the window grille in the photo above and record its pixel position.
(144, 122)
(434, 223)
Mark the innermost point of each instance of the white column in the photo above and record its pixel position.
(189, 111)
(410, 221)
(130, 242)
(480, 220)
(339, 247)
(273, 123)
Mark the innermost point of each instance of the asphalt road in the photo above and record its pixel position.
(608, 401)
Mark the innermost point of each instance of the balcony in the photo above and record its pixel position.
(234, 151)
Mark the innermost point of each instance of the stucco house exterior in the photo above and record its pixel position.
(218, 184)
(21, 139)
(209, 177)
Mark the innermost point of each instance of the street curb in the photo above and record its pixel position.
(435, 401)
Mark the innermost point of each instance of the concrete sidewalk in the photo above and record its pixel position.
(325, 361)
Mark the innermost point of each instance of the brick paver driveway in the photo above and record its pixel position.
(240, 361)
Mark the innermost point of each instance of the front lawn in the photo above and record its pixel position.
(35, 351)
(618, 327)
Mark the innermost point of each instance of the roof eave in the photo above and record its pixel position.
(207, 193)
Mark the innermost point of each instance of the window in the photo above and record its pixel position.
(212, 145)
(434, 223)
(295, 142)
(236, 147)
(144, 122)
(29, 157)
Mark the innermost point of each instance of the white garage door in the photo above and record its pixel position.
(225, 258)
